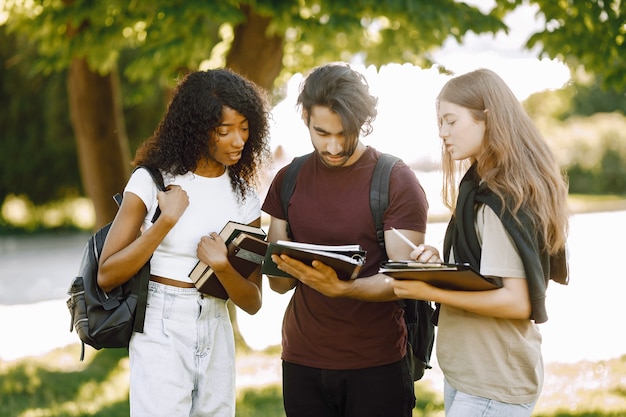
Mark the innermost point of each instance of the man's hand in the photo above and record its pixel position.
(319, 276)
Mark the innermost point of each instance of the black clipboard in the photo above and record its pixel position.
(442, 275)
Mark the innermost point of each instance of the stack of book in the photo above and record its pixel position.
(246, 249)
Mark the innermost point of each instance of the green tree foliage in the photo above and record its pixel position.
(169, 36)
(588, 33)
(594, 97)
(154, 41)
(38, 157)
(578, 98)
(592, 149)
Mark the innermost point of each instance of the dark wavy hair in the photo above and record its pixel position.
(182, 138)
(344, 91)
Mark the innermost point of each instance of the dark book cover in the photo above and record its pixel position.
(228, 233)
(245, 254)
(201, 272)
(447, 276)
(345, 260)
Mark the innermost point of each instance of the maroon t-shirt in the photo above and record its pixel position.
(331, 207)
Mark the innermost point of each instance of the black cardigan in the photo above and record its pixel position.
(461, 235)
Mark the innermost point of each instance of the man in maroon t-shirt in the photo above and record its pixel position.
(344, 342)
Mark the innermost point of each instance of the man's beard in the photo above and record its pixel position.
(346, 155)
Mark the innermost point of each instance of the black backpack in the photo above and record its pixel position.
(417, 313)
(107, 320)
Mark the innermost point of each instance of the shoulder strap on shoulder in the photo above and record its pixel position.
(158, 180)
(156, 176)
(141, 284)
(379, 189)
(289, 184)
(379, 193)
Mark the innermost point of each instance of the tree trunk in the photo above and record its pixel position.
(255, 53)
(258, 56)
(102, 143)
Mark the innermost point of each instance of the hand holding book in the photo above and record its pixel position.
(434, 272)
(346, 260)
(442, 275)
(246, 247)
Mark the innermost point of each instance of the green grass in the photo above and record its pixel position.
(58, 385)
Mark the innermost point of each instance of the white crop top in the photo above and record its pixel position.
(212, 203)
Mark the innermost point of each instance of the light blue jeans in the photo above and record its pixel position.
(459, 404)
(183, 364)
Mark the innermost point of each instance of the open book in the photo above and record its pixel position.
(447, 276)
(346, 260)
(203, 276)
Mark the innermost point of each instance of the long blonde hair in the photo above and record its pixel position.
(515, 161)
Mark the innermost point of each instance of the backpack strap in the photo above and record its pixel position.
(289, 185)
(141, 284)
(379, 193)
(158, 180)
(417, 313)
(379, 190)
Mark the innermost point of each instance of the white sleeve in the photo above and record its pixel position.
(142, 185)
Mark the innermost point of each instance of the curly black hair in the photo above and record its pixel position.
(180, 141)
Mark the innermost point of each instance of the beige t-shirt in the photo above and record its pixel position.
(485, 356)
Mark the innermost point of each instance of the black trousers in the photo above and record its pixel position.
(381, 391)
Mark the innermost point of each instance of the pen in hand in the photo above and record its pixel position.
(404, 238)
(426, 264)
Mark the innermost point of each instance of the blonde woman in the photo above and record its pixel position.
(509, 216)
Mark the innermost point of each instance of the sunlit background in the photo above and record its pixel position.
(405, 126)
(583, 345)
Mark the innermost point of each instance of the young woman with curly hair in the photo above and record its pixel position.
(509, 219)
(210, 147)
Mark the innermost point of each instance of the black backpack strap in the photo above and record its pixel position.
(141, 284)
(379, 193)
(379, 190)
(142, 297)
(289, 185)
(417, 313)
(158, 180)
